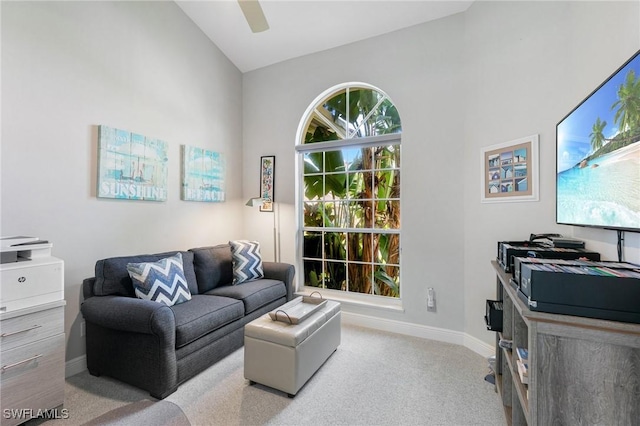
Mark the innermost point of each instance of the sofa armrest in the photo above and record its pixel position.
(130, 314)
(87, 287)
(284, 272)
(132, 340)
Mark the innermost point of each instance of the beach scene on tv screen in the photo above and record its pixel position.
(598, 155)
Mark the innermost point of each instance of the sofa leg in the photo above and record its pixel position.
(164, 394)
(94, 373)
(290, 395)
(251, 383)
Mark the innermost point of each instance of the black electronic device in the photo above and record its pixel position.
(519, 261)
(507, 250)
(534, 237)
(577, 288)
(564, 242)
(493, 317)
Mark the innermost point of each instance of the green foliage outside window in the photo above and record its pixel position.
(352, 197)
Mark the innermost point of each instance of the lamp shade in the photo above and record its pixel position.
(257, 201)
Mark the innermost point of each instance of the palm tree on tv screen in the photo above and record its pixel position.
(597, 135)
(628, 104)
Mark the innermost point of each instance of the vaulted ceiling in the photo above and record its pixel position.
(301, 27)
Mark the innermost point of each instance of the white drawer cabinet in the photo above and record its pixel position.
(32, 345)
(23, 329)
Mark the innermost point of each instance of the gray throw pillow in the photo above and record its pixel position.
(247, 262)
(162, 281)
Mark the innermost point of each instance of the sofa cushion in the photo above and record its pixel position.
(112, 277)
(254, 294)
(213, 266)
(247, 261)
(162, 281)
(202, 315)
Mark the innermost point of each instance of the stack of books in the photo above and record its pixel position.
(585, 267)
(523, 364)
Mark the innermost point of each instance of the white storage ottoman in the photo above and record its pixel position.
(284, 356)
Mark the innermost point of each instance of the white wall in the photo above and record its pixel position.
(140, 66)
(498, 72)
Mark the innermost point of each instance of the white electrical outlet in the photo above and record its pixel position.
(82, 329)
(431, 298)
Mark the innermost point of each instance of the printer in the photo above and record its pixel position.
(29, 275)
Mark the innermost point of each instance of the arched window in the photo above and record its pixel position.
(349, 192)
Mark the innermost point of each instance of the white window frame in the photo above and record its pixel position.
(354, 298)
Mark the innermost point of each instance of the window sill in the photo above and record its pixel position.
(360, 300)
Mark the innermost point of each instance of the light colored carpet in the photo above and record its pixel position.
(374, 378)
(142, 413)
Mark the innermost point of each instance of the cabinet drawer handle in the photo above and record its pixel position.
(20, 331)
(15, 364)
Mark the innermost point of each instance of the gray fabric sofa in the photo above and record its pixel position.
(157, 347)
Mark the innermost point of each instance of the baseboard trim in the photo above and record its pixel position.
(75, 366)
(478, 346)
(417, 330)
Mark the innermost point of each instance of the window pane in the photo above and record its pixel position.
(313, 273)
(353, 158)
(360, 278)
(388, 214)
(356, 184)
(388, 184)
(388, 249)
(312, 162)
(312, 214)
(387, 157)
(336, 214)
(335, 246)
(384, 120)
(335, 186)
(387, 280)
(361, 103)
(313, 187)
(360, 247)
(336, 178)
(335, 110)
(367, 158)
(312, 247)
(333, 162)
(336, 276)
(319, 131)
(361, 214)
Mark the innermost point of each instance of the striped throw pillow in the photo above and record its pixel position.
(247, 262)
(162, 281)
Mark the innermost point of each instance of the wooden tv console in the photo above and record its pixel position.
(581, 370)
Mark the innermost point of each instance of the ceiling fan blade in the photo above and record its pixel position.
(254, 15)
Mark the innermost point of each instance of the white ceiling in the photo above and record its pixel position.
(302, 27)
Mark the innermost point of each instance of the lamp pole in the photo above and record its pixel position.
(257, 201)
(276, 232)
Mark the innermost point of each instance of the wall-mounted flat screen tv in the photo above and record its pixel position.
(598, 155)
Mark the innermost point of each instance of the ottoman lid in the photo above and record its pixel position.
(281, 333)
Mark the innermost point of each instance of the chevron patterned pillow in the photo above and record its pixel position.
(162, 281)
(247, 262)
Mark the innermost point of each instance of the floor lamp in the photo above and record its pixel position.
(258, 201)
